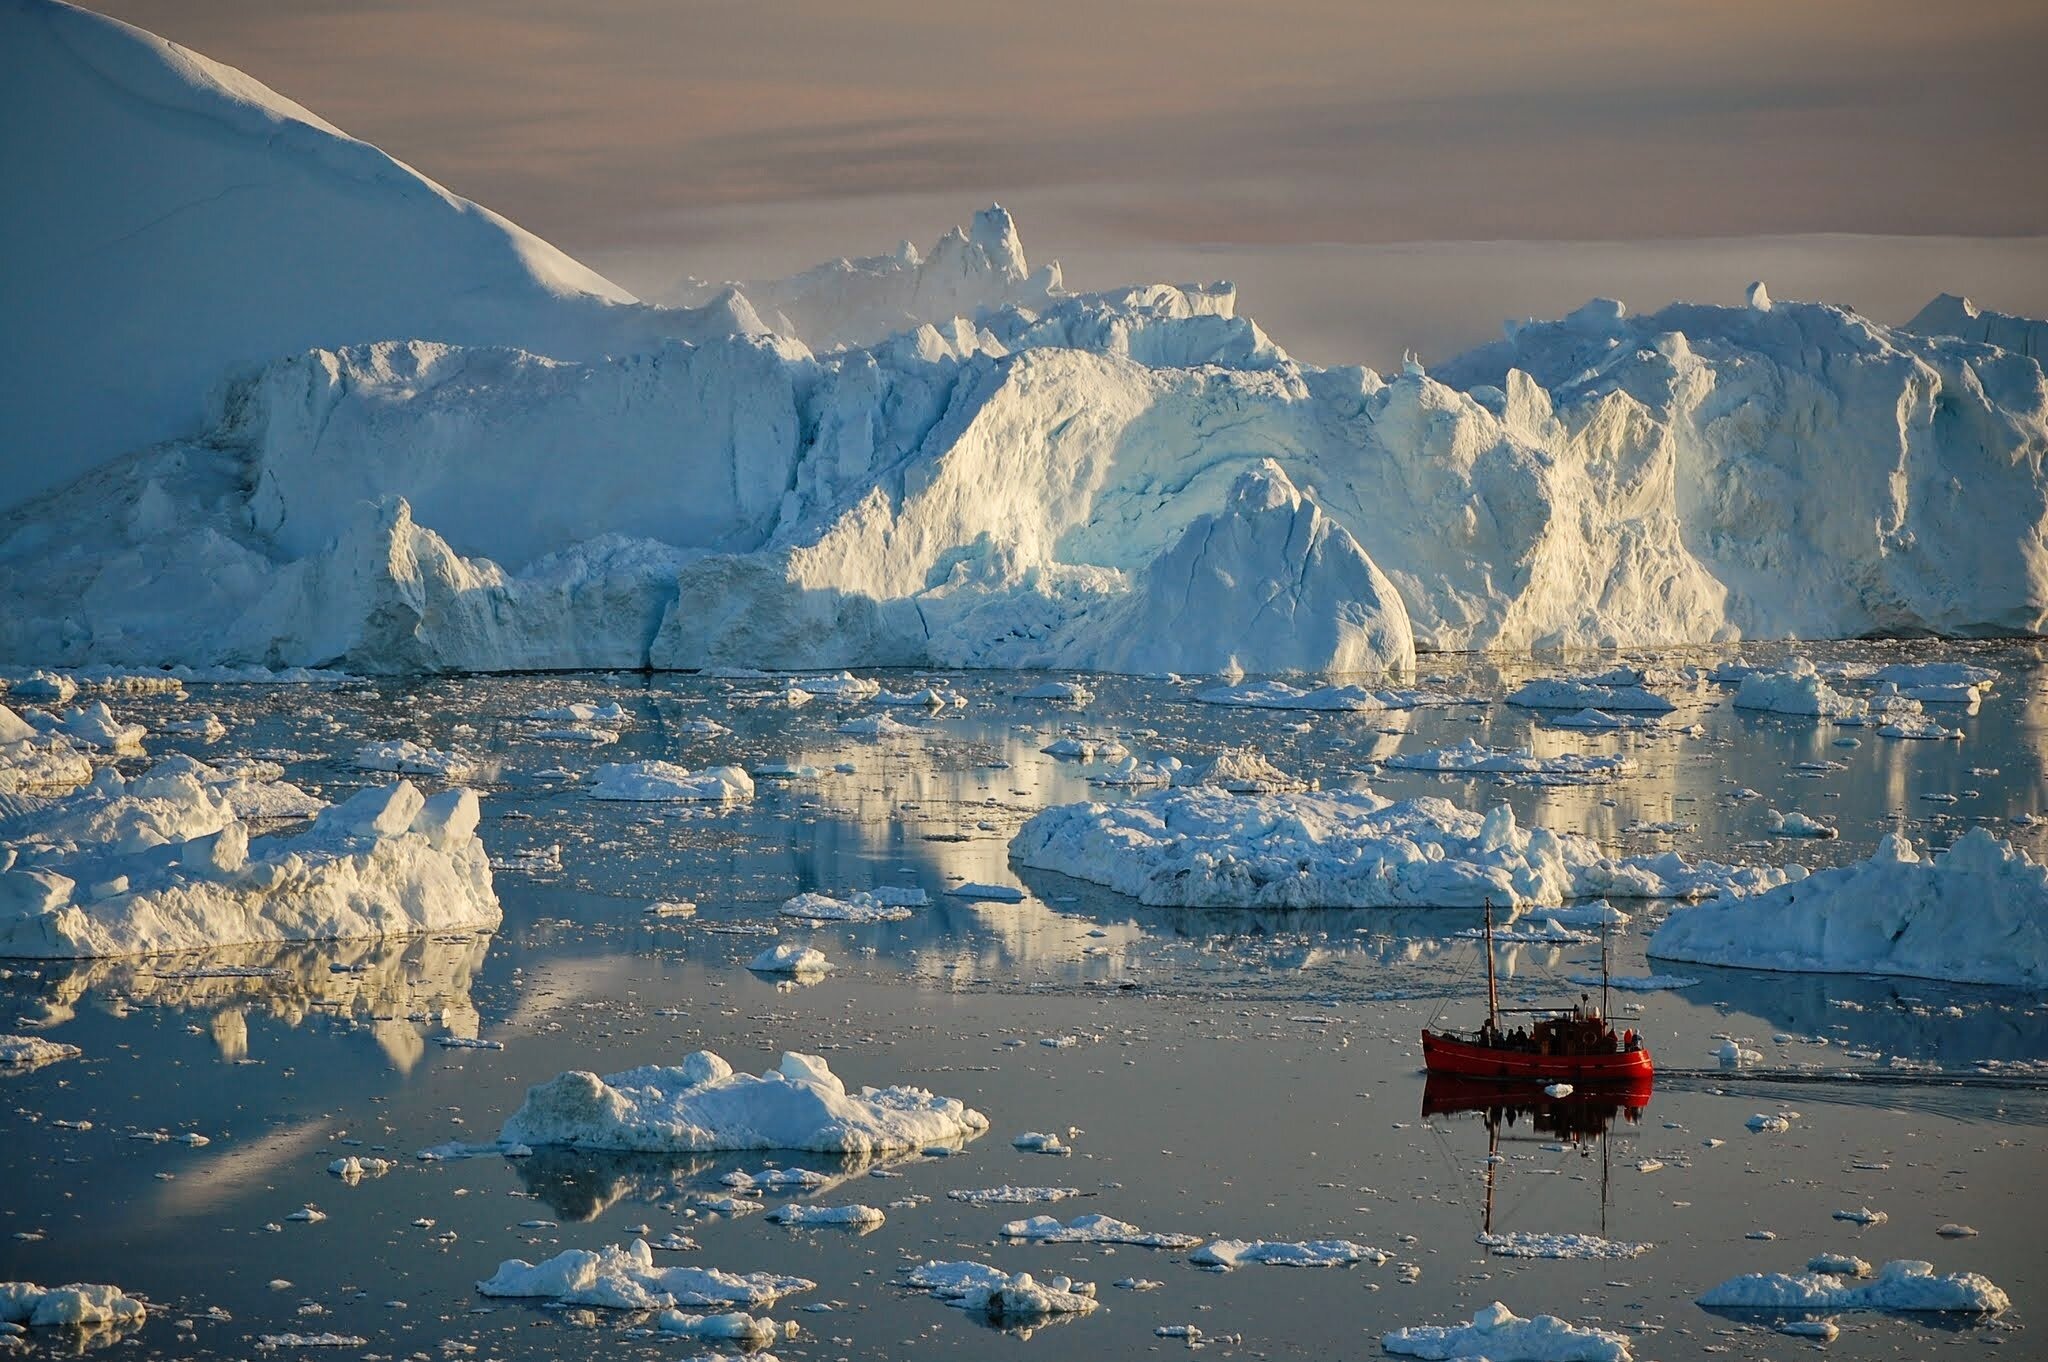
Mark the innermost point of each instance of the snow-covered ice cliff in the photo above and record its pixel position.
(939, 459)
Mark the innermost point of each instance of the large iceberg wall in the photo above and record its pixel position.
(946, 458)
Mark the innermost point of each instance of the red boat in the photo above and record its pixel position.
(1559, 1043)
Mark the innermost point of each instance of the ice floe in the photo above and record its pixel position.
(663, 781)
(1001, 1296)
(704, 1105)
(79, 1304)
(1608, 694)
(1498, 1334)
(1904, 1285)
(1222, 1255)
(1975, 913)
(1093, 1229)
(625, 1278)
(1519, 764)
(885, 904)
(790, 957)
(1010, 1195)
(21, 1053)
(799, 1215)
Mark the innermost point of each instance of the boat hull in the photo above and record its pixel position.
(1449, 1055)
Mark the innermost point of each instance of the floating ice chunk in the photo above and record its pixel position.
(1202, 848)
(1800, 825)
(1839, 1265)
(353, 1169)
(95, 726)
(409, 758)
(44, 687)
(991, 893)
(1532, 1244)
(1041, 1142)
(774, 1179)
(1546, 930)
(22, 1053)
(1732, 1054)
(1863, 1216)
(1607, 694)
(790, 957)
(1280, 695)
(206, 728)
(1904, 1285)
(1953, 1231)
(1919, 727)
(703, 1105)
(878, 726)
(611, 714)
(1060, 692)
(702, 728)
(1499, 1335)
(984, 1290)
(1635, 983)
(732, 1326)
(1557, 1090)
(79, 1304)
(1600, 719)
(1515, 764)
(1132, 773)
(1765, 1123)
(661, 781)
(32, 760)
(167, 865)
(1798, 689)
(837, 686)
(931, 697)
(1222, 1255)
(625, 1278)
(1008, 1195)
(272, 1342)
(801, 1216)
(1093, 1229)
(1079, 747)
(1975, 913)
(860, 906)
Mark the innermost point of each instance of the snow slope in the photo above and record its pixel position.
(169, 218)
(988, 472)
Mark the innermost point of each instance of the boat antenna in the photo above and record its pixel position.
(1492, 989)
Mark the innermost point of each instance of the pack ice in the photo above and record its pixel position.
(1976, 913)
(443, 445)
(164, 862)
(702, 1104)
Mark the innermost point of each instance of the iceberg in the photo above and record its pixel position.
(943, 459)
(1976, 913)
(703, 1105)
(166, 863)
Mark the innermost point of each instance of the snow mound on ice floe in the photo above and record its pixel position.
(77, 1304)
(172, 219)
(625, 1278)
(165, 863)
(703, 1105)
(1202, 848)
(1500, 1335)
(1904, 1285)
(1976, 913)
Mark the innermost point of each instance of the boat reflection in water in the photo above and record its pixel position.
(1580, 1117)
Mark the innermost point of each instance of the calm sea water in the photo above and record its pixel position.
(1244, 1075)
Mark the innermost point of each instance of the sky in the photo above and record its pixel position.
(1296, 139)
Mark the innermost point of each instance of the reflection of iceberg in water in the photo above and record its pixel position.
(582, 1184)
(386, 985)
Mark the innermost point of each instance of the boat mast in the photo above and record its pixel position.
(1492, 989)
(1604, 931)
